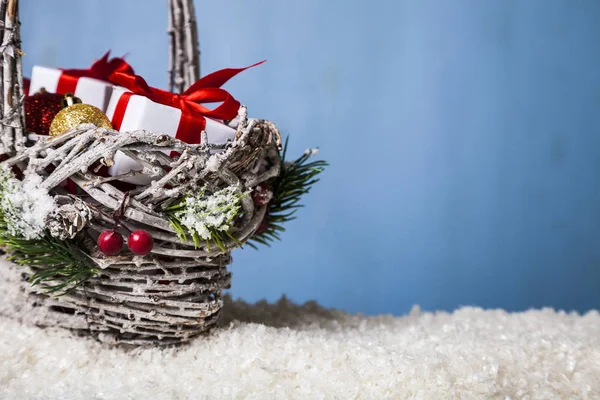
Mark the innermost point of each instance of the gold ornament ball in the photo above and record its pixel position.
(77, 114)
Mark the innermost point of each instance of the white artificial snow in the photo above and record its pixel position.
(25, 204)
(171, 192)
(288, 351)
(204, 212)
(214, 162)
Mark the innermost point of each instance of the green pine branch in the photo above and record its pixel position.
(62, 265)
(218, 236)
(296, 179)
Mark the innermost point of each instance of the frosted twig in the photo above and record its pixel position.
(184, 55)
(190, 43)
(12, 130)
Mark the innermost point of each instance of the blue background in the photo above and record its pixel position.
(463, 137)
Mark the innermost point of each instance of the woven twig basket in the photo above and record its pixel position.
(175, 292)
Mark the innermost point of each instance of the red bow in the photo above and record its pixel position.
(193, 113)
(103, 69)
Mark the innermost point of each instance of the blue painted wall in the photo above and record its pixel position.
(464, 139)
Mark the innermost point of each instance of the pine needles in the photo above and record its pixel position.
(207, 218)
(296, 179)
(61, 265)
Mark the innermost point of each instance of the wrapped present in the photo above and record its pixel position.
(135, 105)
(93, 85)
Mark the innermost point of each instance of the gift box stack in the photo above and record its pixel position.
(112, 86)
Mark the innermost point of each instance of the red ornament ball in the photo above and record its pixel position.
(140, 242)
(40, 110)
(261, 194)
(110, 242)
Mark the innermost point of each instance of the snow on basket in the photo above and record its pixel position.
(137, 254)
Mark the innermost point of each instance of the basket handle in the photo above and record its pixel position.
(12, 122)
(184, 51)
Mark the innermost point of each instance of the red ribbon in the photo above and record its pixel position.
(193, 113)
(103, 69)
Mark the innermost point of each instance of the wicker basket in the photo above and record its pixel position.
(174, 293)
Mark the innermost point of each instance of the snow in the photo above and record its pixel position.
(289, 351)
(214, 162)
(25, 204)
(205, 212)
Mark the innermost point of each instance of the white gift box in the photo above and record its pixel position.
(89, 90)
(143, 113)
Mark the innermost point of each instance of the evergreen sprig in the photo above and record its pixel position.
(296, 179)
(228, 206)
(217, 237)
(62, 266)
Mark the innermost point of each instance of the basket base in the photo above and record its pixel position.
(140, 319)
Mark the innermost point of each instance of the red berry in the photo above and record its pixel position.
(261, 194)
(140, 242)
(110, 242)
